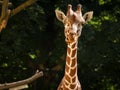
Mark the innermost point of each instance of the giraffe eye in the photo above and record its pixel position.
(82, 23)
(67, 25)
(79, 25)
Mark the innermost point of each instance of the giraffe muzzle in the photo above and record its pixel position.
(71, 37)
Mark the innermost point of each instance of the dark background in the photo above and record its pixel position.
(34, 39)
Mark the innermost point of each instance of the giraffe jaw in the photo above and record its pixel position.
(71, 39)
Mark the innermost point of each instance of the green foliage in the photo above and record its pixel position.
(34, 39)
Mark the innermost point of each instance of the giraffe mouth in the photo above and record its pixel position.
(71, 37)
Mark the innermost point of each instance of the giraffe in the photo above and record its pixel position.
(73, 22)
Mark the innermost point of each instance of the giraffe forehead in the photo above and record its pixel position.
(75, 18)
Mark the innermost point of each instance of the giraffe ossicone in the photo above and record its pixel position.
(73, 22)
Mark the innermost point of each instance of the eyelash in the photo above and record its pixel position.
(81, 24)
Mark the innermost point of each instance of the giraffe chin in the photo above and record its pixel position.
(68, 41)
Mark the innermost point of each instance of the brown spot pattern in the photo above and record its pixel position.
(74, 52)
(73, 80)
(72, 72)
(73, 62)
(68, 60)
(66, 83)
(67, 78)
(67, 68)
(72, 86)
(73, 45)
(66, 88)
(68, 50)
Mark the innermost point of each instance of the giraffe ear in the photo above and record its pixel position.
(60, 15)
(88, 16)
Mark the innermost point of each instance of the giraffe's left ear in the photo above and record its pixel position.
(88, 16)
(60, 15)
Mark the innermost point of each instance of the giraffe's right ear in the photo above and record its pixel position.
(60, 15)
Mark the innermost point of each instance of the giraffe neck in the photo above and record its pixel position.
(70, 80)
(71, 63)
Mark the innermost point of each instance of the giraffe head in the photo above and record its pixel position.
(73, 22)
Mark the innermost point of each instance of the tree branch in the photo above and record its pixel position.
(21, 82)
(9, 4)
(6, 13)
(19, 87)
(21, 7)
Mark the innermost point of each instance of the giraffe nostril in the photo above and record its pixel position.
(67, 38)
(72, 32)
